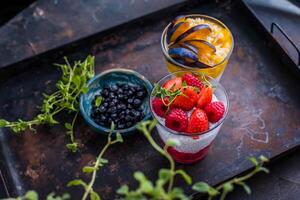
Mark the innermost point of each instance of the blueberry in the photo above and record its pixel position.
(120, 96)
(141, 94)
(101, 109)
(125, 87)
(114, 88)
(137, 102)
(105, 104)
(130, 92)
(120, 125)
(120, 90)
(114, 116)
(130, 101)
(128, 118)
(113, 109)
(121, 106)
(128, 124)
(111, 104)
(105, 93)
(102, 118)
(129, 106)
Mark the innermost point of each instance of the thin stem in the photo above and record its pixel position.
(162, 152)
(96, 165)
(73, 124)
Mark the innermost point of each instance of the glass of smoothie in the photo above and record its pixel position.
(190, 107)
(197, 43)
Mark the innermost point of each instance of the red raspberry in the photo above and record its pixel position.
(214, 111)
(159, 107)
(177, 120)
(192, 80)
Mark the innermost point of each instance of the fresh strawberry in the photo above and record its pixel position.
(192, 80)
(173, 84)
(177, 120)
(198, 122)
(187, 99)
(215, 111)
(159, 107)
(205, 97)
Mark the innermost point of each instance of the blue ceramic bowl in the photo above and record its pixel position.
(112, 76)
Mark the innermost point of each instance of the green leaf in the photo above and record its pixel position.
(112, 126)
(94, 196)
(185, 176)
(228, 187)
(88, 169)
(119, 137)
(203, 187)
(3, 122)
(77, 182)
(123, 190)
(263, 158)
(31, 195)
(98, 101)
(178, 193)
(68, 126)
(145, 185)
(103, 161)
(76, 80)
(72, 147)
(165, 174)
(245, 186)
(253, 160)
(84, 89)
(172, 142)
(264, 170)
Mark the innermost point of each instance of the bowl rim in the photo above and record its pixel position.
(163, 42)
(215, 83)
(91, 122)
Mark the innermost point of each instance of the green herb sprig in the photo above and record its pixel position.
(163, 188)
(100, 161)
(33, 195)
(66, 98)
(227, 187)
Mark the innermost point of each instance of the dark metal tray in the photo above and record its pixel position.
(263, 119)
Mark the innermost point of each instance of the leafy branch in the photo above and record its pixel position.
(158, 191)
(148, 190)
(228, 186)
(100, 161)
(66, 98)
(33, 195)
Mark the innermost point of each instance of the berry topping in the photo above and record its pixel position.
(205, 97)
(187, 99)
(198, 122)
(177, 120)
(192, 80)
(215, 111)
(120, 103)
(159, 107)
(173, 84)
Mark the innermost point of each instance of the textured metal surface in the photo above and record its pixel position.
(283, 183)
(46, 25)
(263, 118)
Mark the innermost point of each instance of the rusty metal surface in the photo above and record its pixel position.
(46, 25)
(263, 118)
(283, 183)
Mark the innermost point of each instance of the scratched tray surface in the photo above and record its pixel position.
(263, 119)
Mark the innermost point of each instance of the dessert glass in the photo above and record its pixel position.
(192, 146)
(217, 66)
